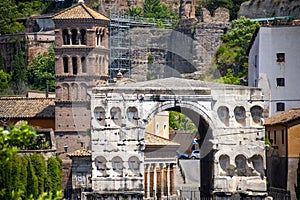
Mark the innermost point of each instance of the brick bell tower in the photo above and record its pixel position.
(81, 62)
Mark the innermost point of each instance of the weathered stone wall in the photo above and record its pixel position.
(270, 8)
(185, 50)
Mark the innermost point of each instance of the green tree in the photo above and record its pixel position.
(8, 16)
(18, 175)
(178, 121)
(54, 172)
(151, 8)
(39, 165)
(19, 77)
(135, 11)
(232, 52)
(4, 81)
(32, 181)
(41, 72)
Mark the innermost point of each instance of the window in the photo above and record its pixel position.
(279, 107)
(83, 37)
(280, 57)
(280, 82)
(66, 37)
(65, 62)
(83, 65)
(74, 37)
(74, 63)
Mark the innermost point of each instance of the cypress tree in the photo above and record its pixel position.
(19, 70)
(32, 181)
(54, 172)
(39, 165)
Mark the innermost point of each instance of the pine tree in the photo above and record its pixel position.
(54, 172)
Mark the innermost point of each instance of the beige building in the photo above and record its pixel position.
(282, 157)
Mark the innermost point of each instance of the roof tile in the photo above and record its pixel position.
(23, 107)
(80, 11)
(283, 117)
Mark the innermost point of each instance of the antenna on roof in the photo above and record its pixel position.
(80, 1)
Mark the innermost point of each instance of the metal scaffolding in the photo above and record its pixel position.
(119, 43)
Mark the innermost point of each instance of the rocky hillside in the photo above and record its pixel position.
(270, 8)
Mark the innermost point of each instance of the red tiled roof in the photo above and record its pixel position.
(80, 11)
(80, 153)
(283, 117)
(151, 139)
(23, 107)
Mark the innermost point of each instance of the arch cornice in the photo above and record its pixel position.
(196, 107)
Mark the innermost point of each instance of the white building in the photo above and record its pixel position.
(274, 66)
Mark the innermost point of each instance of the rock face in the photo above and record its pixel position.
(269, 8)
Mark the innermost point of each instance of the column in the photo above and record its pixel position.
(70, 37)
(70, 65)
(162, 179)
(154, 181)
(168, 179)
(148, 181)
(79, 65)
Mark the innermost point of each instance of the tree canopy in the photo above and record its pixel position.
(41, 72)
(26, 177)
(231, 57)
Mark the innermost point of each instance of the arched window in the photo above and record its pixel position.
(83, 64)
(83, 37)
(83, 91)
(65, 63)
(75, 91)
(74, 64)
(58, 93)
(65, 93)
(97, 37)
(241, 165)
(66, 37)
(132, 115)
(74, 37)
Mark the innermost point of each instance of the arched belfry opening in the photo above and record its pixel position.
(142, 163)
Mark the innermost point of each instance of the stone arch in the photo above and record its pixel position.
(200, 117)
(240, 114)
(223, 114)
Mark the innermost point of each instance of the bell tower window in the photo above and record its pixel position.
(74, 37)
(83, 37)
(74, 63)
(66, 37)
(83, 65)
(65, 63)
